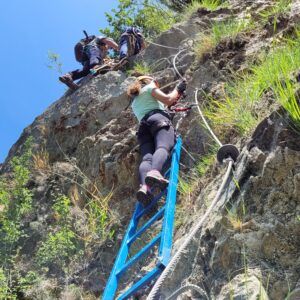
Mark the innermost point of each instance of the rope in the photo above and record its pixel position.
(186, 288)
(203, 119)
(183, 246)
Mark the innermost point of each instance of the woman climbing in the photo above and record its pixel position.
(156, 134)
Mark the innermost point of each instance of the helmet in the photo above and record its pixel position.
(146, 77)
(142, 78)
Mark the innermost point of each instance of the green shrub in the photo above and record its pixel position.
(54, 62)
(62, 206)
(30, 279)
(4, 288)
(99, 219)
(145, 14)
(141, 68)
(16, 203)
(58, 248)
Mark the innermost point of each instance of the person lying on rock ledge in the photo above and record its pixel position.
(156, 135)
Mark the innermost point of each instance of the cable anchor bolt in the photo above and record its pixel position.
(227, 151)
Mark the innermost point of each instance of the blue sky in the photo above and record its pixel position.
(28, 30)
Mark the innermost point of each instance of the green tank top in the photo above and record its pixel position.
(145, 102)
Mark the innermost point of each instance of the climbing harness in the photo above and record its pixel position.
(163, 240)
(179, 107)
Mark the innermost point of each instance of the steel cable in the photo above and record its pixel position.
(163, 46)
(183, 246)
(204, 120)
(174, 63)
(186, 288)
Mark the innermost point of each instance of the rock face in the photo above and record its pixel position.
(255, 240)
(249, 246)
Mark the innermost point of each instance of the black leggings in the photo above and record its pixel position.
(156, 137)
(94, 57)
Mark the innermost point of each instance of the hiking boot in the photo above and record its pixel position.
(144, 195)
(67, 80)
(155, 180)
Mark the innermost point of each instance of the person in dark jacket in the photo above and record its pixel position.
(94, 53)
(131, 42)
(156, 135)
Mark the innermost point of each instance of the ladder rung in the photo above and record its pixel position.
(146, 279)
(154, 201)
(138, 255)
(167, 173)
(146, 225)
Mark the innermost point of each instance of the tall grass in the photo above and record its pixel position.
(220, 30)
(211, 5)
(272, 13)
(274, 75)
(278, 7)
(229, 28)
(41, 161)
(285, 94)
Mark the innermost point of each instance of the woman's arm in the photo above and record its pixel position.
(167, 99)
(111, 43)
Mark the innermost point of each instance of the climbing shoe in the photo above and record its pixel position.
(67, 80)
(144, 195)
(155, 180)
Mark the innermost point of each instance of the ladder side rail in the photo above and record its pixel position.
(142, 282)
(167, 228)
(112, 283)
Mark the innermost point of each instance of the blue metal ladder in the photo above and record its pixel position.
(163, 239)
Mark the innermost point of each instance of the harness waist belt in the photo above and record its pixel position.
(153, 112)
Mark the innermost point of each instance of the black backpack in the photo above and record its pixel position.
(78, 49)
